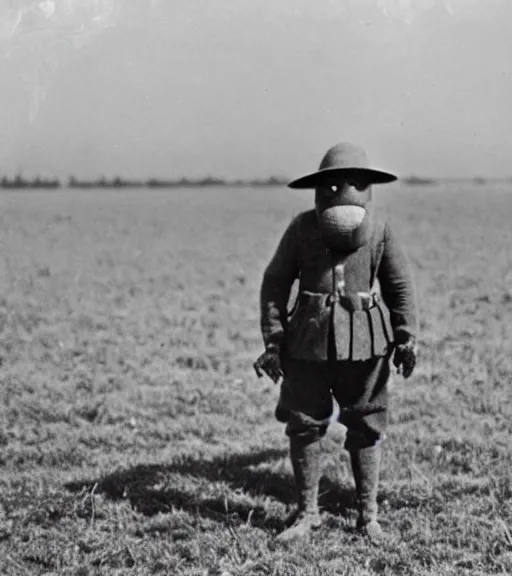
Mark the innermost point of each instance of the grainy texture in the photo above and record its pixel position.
(135, 438)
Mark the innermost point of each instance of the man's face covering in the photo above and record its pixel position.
(342, 209)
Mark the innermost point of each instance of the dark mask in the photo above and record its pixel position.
(343, 214)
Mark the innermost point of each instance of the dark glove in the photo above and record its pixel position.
(270, 364)
(405, 357)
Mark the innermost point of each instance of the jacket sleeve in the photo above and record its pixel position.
(278, 279)
(397, 288)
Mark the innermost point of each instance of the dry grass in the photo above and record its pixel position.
(135, 439)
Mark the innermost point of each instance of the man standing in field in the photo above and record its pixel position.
(354, 308)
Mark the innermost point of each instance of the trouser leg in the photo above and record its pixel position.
(362, 394)
(305, 404)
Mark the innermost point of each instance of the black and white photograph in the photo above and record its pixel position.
(255, 287)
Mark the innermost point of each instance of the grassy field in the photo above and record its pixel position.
(135, 438)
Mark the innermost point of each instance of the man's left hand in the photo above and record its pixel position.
(405, 357)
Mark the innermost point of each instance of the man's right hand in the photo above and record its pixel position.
(270, 364)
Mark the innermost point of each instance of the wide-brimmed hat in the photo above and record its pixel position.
(343, 160)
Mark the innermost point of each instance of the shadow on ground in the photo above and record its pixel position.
(142, 486)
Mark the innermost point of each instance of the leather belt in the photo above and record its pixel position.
(351, 301)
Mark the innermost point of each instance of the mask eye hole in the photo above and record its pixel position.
(359, 185)
(329, 190)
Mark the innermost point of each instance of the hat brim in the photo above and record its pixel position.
(330, 174)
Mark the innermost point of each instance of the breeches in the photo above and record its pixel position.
(360, 389)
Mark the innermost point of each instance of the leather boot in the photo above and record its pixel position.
(305, 457)
(365, 466)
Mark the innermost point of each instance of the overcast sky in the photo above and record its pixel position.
(248, 88)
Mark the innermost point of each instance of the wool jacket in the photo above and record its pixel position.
(379, 267)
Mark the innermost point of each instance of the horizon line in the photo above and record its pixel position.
(21, 182)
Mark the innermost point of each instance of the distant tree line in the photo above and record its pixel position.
(21, 183)
(414, 180)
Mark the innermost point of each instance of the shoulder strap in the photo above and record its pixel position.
(377, 249)
(300, 223)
